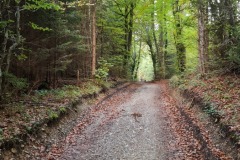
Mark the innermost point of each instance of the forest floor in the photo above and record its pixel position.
(26, 117)
(218, 96)
(133, 121)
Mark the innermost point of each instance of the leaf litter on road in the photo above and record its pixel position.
(186, 137)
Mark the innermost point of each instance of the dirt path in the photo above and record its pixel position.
(140, 122)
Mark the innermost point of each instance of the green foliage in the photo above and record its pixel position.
(117, 68)
(36, 27)
(103, 84)
(71, 91)
(1, 131)
(52, 114)
(62, 109)
(90, 88)
(175, 81)
(58, 93)
(67, 91)
(15, 82)
(21, 57)
(115, 60)
(190, 41)
(233, 53)
(40, 4)
(234, 56)
(42, 93)
(19, 108)
(101, 73)
(145, 71)
(29, 129)
(103, 70)
(4, 24)
(211, 110)
(196, 82)
(26, 117)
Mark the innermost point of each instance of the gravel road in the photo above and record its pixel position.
(138, 122)
(135, 129)
(135, 121)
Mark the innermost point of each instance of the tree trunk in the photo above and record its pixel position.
(134, 59)
(180, 48)
(17, 39)
(130, 27)
(156, 41)
(201, 37)
(7, 53)
(153, 56)
(164, 55)
(165, 46)
(2, 57)
(3, 53)
(138, 61)
(55, 70)
(126, 29)
(93, 38)
(1, 79)
(128, 24)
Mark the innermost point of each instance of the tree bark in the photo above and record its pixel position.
(130, 29)
(155, 41)
(2, 57)
(94, 43)
(201, 37)
(180, 48)
(17, 39)
(128, 24)
(6, 54)
(138, 61)
(153, 55)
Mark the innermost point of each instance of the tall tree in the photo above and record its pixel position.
(180, 47)
(155, 40)
(202, 34)
(94, 45)
(128, 18)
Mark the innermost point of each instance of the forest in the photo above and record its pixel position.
(53, 50)
(43, 42)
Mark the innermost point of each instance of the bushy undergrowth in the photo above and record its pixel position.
(186, 81)
(90, 87)
(73, 92)
(67, 91)
(174, 81)
(103, 70)
(177, 81)
(14, 86)
(104, 84)
(44, 106)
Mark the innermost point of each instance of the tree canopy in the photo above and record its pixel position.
(46, 41)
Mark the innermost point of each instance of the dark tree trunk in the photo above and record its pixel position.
(180, 48)
(153, 55)
(94, 37)
(138, 61)
(202, 35)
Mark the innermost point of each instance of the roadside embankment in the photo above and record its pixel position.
(218, 97)
(31, 114)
